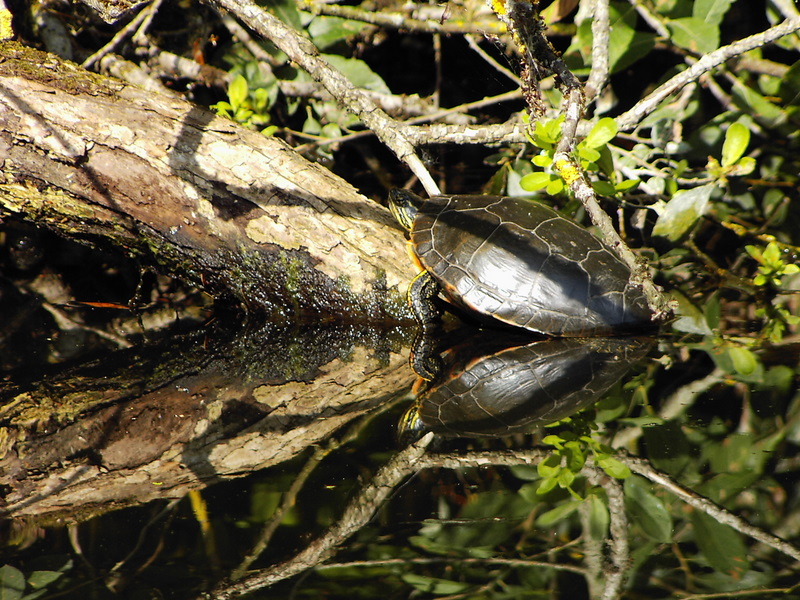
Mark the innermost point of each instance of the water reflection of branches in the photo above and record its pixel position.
(290, 497)
(610, 574)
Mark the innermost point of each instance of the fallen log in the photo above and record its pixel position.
(239, 214)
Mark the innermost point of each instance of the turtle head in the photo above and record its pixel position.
(404, 205)
(410, 428)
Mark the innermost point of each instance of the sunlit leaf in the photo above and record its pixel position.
(737, 139)
(237, 91)
(542, 160)
(588, 154)
(614, 468)
(535, 181)
(694, 34)
(602, 133)
(547, 484)
(682, 212)
(744, 361)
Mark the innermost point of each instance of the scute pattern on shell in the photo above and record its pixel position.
(519, 261)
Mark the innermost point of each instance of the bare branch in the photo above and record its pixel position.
(598, 77)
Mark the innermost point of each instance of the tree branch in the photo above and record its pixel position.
(303, 52)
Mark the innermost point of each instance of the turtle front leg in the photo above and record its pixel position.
(424, 360)
(423, 289)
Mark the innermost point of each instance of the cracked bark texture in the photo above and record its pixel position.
(237, 213)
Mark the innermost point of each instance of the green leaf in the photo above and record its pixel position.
(12, 583)
(667, 447)
(627, 185)
(603, 132)
(604, 188)
(358, 72)
(711, 11)
(736, 140)
(524, 472)
(41, 579)
(326, 31)
(542, 160)
(647, 510)
(614, 468)
(766, 113)
(626, 45)
(558, 513)
(565, 478)
(555, 187)
(588, 155)
(237, 91)
(682, 212)
(285, 10)
(790, 85)
(432, 585)
(694, 34)
(533, 182)
(547, 484)
(722, 546)
(598, 518)
(744, 361)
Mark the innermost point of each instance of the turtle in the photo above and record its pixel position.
(516, 262)
(496, 385)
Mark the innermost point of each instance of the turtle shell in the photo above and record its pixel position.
(520, 262)
(491, 392)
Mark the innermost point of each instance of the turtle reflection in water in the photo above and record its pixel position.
(516, 262)
(491, 390)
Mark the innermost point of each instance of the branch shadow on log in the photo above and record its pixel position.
(239, 214)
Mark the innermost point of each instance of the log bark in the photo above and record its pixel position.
(225, 208)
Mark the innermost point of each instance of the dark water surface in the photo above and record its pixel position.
(270, 462)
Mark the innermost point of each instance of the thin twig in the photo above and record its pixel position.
(473, 43)
(435, 23)
(598, 76)
(118, 38)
